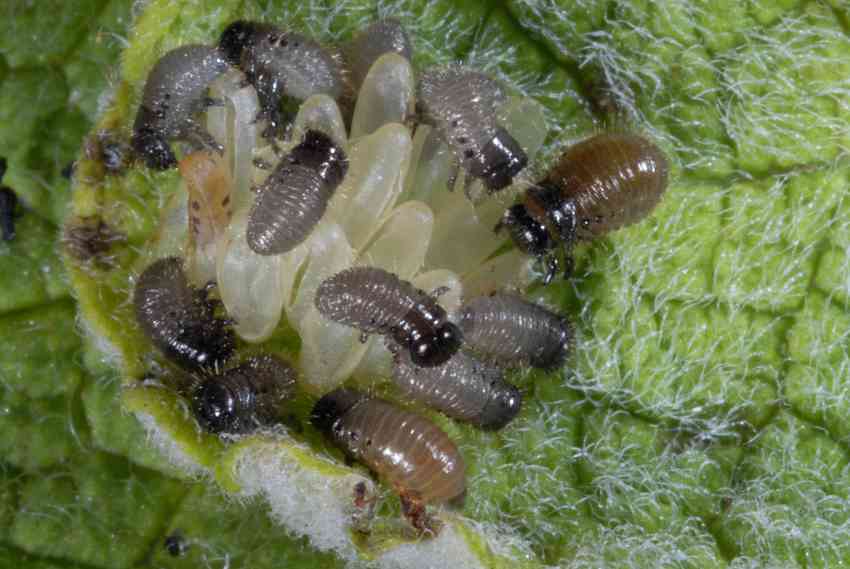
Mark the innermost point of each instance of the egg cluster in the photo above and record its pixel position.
(321, 183)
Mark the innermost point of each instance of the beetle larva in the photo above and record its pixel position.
(295, 196)
(376, 301)
(8, 203)
(463, 388)
(511, 331)
(179, 319)
(174, 93)
(406, 449)
(383, 36)
(461, 104)
(597, 186)
(280, 64)
(245, 397)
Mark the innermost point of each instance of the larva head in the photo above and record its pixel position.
(216, 407)
(150, 146)
(499, 161)
(530, 235)
(318, 150)
(237, 37)
(436, 349)
(504, 404)
(331, 407)
(553, 356)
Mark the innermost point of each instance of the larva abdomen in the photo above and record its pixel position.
(404, 448)
(376, 301)
(294, 198)
(244, 398)
(614, 179)
(464, 388)
(178, 319)
(509, 330)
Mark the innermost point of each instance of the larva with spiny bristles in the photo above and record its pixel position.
(376, 301)
(511, 331)
(179, 319)
(175, 91)
(244, 398)
(464, 388)
(404, 448)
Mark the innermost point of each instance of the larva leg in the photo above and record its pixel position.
(414, 511)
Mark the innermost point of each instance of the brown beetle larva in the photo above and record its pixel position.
(383, 36)
(295, 196)
(280, 64)
(511, 331)
(175, 91)
(598, 185)
(179, 319)
(406, 449)
(8, 203)
(463, 388)
(244, 398)
(462, 105)
(376, 301)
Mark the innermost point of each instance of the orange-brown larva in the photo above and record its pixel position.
(406, 449)
(598, 185)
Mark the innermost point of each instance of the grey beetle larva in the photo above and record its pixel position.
(597, 186)
(461, 104)
(179, 319)
(175, 91)
(244, 398)
(511, 331)
(463, 388)
(294, 197)
(280, 64)
(383, 36)
(376, 301)
(406, 449)
(8, 203)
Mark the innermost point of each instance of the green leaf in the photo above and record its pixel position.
(701, 422)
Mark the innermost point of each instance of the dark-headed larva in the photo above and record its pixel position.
(175, 91)
(462, 105)
(280, 64)
(597, 186)
(295, 196)
(383, 36)
(464, 388)
(376, 301)
(8, 202)
(404, 448)
(179, 319)
(511, 331)
(245, 397)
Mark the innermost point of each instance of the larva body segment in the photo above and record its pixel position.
(378, 302)
(405, 449)
(179, 319)
(383, 36)
(175, 91)
(511, 331)
(280, 64)
(598, 185)
(295, 196)
(462, 105)
(464, 388)
(244, 398)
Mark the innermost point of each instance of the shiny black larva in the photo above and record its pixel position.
(404, 448)
(280, 65)
(508, 330)
(600, 184)
(462, 106)
(295, 196)
(244, 398)
(179, 319)
(376, 301)
(463, 388)
(175, 91)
